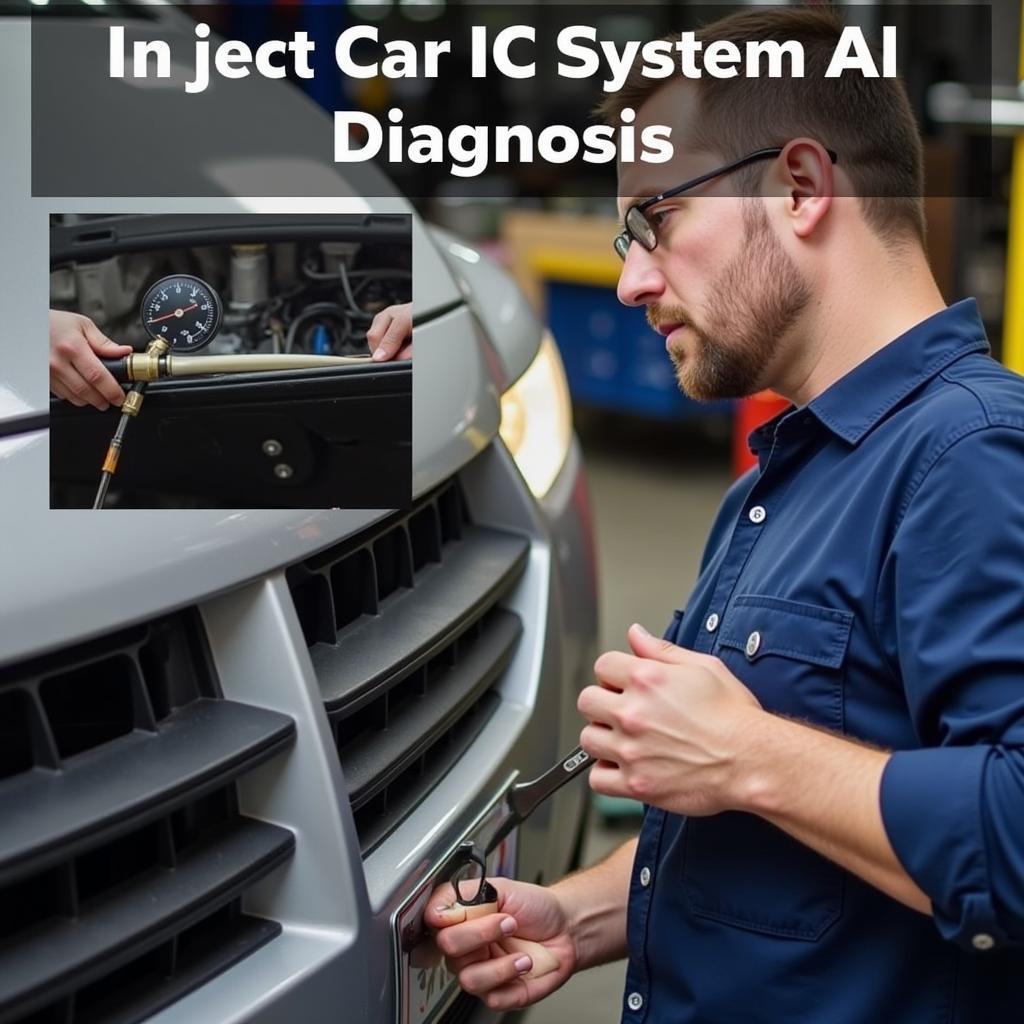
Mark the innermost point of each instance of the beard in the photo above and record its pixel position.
(751, 305)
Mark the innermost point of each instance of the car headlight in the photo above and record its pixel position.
(536, 418)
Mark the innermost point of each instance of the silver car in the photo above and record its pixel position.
(238, 749)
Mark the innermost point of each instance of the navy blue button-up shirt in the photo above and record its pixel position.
(868, 577)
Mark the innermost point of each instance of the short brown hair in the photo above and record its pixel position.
(867, 121)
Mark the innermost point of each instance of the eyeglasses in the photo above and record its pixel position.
(638, 226)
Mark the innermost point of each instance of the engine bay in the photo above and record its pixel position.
(254, 399)
(303, 296)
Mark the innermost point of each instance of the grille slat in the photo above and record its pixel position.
(374, 823)
(225, 943)
(118, 927)
(47, 815)
(409, 676)
(376, 758)
(377, 650)
(123, 855)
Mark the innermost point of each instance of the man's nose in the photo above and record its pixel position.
(640, 281)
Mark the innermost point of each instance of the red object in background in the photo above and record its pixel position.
(749, 414)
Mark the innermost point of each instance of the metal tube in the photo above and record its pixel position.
(192, 366)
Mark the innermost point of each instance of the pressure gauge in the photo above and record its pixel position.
(182, 310)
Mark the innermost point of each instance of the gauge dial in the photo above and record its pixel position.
(183, 310)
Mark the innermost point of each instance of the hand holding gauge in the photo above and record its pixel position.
(181, 314)
(180, 311)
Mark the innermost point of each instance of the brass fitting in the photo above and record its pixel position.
(146, 366)
(132, 403)
(143, 366)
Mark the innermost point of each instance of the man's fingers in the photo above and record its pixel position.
(391, 340)
(80, 391)
(378, 326)
(597, 704)
(390, 333)
(612, 669)
(101, 344)
(480, 978)
(457, 963)
(522, 991)
(76, 373)
(103, 390)
(607, 779)
(646, 645)
(460, 939)
(442, 909)
(597, 741)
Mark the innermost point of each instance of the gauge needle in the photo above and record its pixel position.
(177, 312)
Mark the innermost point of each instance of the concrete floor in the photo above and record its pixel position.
(654, 490)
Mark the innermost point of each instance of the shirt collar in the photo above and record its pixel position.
(858, 401)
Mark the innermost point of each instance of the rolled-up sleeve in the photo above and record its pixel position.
(951, 617)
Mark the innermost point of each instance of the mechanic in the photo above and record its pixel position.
(77, 345)
(830, 741)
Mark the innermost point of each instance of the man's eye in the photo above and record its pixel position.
(658, 217)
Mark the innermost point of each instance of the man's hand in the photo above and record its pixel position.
(668, 726)
(390, 333)
(472, 948)
(76, 374)
(679, 731)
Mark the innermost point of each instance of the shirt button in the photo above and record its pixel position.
(983, 941)
(753, 644)
(757, 514)
(712, 622)
(635, 1001)
(645, 875)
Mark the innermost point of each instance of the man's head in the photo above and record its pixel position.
(738, 260)
(749, 304)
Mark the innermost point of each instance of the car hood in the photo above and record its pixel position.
(71, 575)
(265, 147)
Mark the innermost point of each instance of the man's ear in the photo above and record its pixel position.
(805, 176)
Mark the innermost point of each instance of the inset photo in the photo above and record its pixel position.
(230, 361)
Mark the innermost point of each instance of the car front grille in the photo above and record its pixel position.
(408, 637)
(123, 855)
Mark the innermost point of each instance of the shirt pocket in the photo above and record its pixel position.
(790, 654)
(737, 868)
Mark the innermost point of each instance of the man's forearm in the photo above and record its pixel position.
(595, 900)
(823, 790)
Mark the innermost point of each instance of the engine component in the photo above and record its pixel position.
(308, 297)
(338, 254)
(250, 276)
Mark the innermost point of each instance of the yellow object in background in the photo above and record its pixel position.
(1013, 320)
